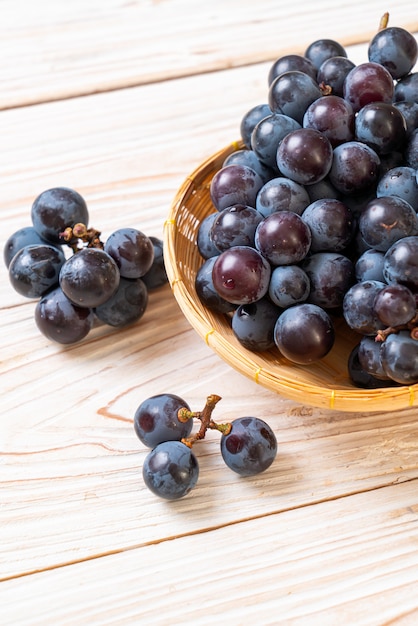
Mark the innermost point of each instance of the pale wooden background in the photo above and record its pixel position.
(122, 100)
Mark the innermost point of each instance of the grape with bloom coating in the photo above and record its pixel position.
(368, 82)
(235, 184)
(35, 269)
(170, 470)
(387, 219)
(250, 447)
(60, 320)
(56, 209)
(305, 156)
(283, 238)
(156, 420)
(131, 250)
(400, 357)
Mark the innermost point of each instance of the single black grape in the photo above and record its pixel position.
(370, 357)
(253, 324)
(332, 73)
(366, 83)
(360, 378)
(381, 126)
(60, 320)
(156, 420)
(283, 238)
(56, 209)
(395, 48)
(131, 250)
(387, 219)
(241, 275)
(400, 357)
(290, 62)
(268, 134)
(289, 285)
(358, 307)
(305, 156)
(250, 447)
(235, 226)
(126, 306)
(331, 224)
(402, 182)
(333, 116)
(304, 333)
(89, 277)
(401, 263)
(322, 49)
(355, 167)
(235, 184)
(250, 159)
(282, 194)
(26, 236)
(291, 93)
(330, 274)
(205, 245)
(369, 266)
(206, 291)
(395, 305)
(35, 269)
(170, 470)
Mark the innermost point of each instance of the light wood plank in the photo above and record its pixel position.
(53, 50)
(349, 561)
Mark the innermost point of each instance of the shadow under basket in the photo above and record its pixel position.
(323, 384)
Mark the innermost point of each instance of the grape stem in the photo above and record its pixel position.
(412, 325)
(205, 418)
(75, 237)
(384, 20)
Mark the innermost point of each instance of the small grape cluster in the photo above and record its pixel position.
(164, 423)
(105, 281)
(315, 217)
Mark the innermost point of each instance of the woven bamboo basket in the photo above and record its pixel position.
(324, 384)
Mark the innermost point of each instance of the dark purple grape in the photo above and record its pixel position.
(355, 167)
(156, 276)
(35, 269)
(394, 48)
(56, 209)
(206, 291)
(26, 236)
(289, 285)
(250, 447)
(382, 127)
(250, 159)
(304, 333)
(131, 250)
(235, 226)
(358, 307)
(250, 119)
(322, 49)
(400, 357)
(407, 88)
(60, 320)
(291, 93)
(205, 245)
(331, 275)
(281, 194)
(409, 111)
(126, 306)
(283, 238)
(241, 275)
(369, 266)
(322, 189)
(385, 220)
(360, 378)
(402, 182)
(156, 420)
(331, 224)
(305, 156)
(235, 184)
(370, 358)
(268, 134)
(332, 74)
(253, 324)
(366, 83)
(332, 116)
(411, 150)
(170, 470)
(89, 277)
(290, 62)
(395, 305)
(401, 263)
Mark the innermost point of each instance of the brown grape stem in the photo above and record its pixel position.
(77, 236)
(206, 420)
(384, 20)
(412, 326)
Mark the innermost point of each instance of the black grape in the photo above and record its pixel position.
(282, 194)
(89, 277)
(291, 93)
(235, 226)
(305, 156)
(156, 420)
(331, 224)
(333, 116)
(235, 184)
(283, 238)
(322, 49)
(366, 83)
(400, 357)
(60, 320)
(241, 275)
(35, 269)
(170, 470)
(26, 236)
(250, 447)
(56, 209)
(131, 250)
(394, 48)
(330, 274)
(156, 276)
(126, 305)
(253, 324)
(385, 220)
(206, 291)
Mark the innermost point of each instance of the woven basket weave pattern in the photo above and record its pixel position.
(323, 384)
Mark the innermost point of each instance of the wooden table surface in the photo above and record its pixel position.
(121, 101)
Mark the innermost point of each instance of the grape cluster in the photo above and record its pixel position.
(315, 217)
(77, 278)
(164, 423)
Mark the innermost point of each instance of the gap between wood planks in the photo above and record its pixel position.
(202, 531)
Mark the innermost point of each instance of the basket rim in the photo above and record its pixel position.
(252, 364)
